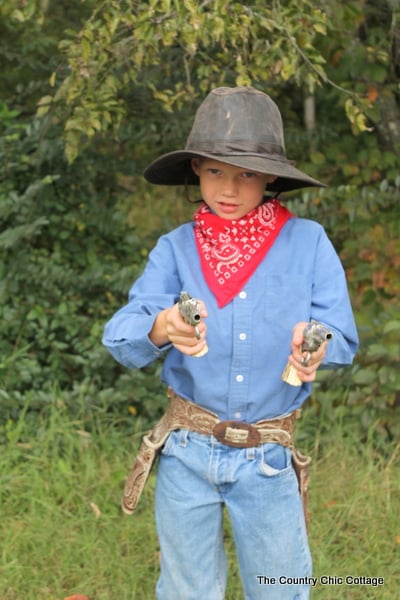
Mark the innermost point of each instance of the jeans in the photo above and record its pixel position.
(197, 476)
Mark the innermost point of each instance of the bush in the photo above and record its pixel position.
(67, 260)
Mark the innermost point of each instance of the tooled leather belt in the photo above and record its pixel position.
(183, 414)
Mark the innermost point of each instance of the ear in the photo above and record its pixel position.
(195, 164)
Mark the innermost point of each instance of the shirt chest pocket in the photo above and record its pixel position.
(287, 297)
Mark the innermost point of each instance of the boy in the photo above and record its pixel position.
(260, 275)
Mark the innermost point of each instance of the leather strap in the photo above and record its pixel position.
(183, 414)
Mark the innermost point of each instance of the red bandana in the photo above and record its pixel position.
(230, 251)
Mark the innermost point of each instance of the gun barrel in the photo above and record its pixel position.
(196, 317)
(315, 334)
(190, 309)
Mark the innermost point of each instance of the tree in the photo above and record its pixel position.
(176, 51)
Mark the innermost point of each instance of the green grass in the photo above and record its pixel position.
(62, 530)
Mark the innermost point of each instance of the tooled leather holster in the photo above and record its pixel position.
(183, 414)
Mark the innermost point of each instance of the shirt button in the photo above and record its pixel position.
(242, 295)
(239, 378)
(242, 336)
(237, 415)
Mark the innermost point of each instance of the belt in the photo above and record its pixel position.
(183, 414)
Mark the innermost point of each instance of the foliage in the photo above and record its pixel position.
(177, 51)
(62, 239)
(362, 51)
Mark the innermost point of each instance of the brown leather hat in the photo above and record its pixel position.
(240, 126)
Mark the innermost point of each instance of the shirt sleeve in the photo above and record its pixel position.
(331, 305)
(126, 334)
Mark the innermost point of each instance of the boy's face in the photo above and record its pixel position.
(230, 192)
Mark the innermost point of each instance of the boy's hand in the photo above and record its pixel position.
(305, 363)
(182, 335)
(169, 327)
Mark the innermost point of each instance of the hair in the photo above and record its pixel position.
(186, 184)
(187, 194)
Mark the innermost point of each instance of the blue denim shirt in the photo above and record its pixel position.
(301, 278)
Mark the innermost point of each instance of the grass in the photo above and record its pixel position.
(62, 531)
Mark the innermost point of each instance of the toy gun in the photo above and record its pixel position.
(189, 310)
(315, 334)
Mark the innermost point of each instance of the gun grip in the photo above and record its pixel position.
(202, 352)
(290, 376)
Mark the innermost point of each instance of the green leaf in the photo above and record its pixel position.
(391, 326)
(376, 351)
(365, 376)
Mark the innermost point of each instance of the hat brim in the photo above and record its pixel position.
(174, 168)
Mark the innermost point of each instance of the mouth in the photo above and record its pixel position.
(227, 207)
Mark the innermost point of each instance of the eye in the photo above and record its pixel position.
(249, 175)
(214, 171)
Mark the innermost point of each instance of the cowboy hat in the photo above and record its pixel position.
(240, 126)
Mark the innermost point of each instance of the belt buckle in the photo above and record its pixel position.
(237, 434)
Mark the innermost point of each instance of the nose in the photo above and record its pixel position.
(229, 188)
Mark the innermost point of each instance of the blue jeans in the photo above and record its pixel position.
(197, 476)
